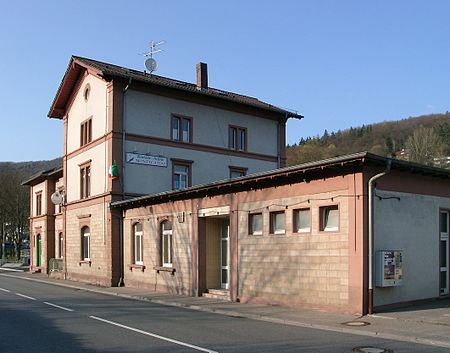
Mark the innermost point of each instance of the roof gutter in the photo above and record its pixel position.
(371, 232)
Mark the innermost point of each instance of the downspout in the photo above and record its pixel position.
(370, 240)
(121, 220)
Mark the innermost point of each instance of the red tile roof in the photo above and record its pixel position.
(78, 64)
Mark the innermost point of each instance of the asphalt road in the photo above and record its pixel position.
(38, 317)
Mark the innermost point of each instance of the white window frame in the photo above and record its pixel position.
(324, 215)
(298, 229)
(166, 233)
(273, 215)
(250, 222)
(87, 251)
(138, 253)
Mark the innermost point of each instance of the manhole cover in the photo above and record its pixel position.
(371, 350)
(356, 323)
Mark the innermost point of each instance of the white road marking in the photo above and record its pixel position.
(154, 335)
(25, 296)
(5, 290)
(57, 306)
(10, 269)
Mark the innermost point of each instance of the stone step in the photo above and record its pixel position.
(221, 294)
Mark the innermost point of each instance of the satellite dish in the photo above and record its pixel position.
(151, 64)
(57, 198)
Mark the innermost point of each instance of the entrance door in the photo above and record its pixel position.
(38, 250)
(444, 253)
(224, 254)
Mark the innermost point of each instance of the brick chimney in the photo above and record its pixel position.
(202, 76)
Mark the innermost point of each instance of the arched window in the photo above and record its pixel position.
(138, 244)
(85, 243)
(166, 243)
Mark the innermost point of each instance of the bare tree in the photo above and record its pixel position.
(423, 145)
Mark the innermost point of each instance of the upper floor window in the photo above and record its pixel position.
(166, 243)
(38, 203)
(329, 218)
(85, 243)
(137, 240)
(181, 128)
(181, 174)
(85, 181)
(237, 138)
(277, 222)
(236, 172)
(302, 220)
(86, 132)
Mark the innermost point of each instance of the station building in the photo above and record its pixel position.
(182, 188)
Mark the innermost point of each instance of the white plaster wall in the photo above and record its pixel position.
(80, 110)
(207, 167)
(99, 172)
(149, 115)
(41, 187)
(411, 225)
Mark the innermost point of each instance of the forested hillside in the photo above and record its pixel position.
(424, 139)
(14, 198)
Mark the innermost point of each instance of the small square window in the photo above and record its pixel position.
(277, 222)
(255, 224)
(329, 218)
(302, 220)
(237, 172)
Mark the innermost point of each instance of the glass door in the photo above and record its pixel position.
(38, 250)
(224, 254)
(444, 253)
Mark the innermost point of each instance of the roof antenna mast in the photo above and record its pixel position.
(150, 63)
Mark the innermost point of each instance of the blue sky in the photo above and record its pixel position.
(339, 63)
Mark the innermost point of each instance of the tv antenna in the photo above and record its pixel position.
(150, 63)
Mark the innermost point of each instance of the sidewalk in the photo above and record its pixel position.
(426, 324)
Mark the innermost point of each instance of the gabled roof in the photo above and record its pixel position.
(44, 175)
(293, 174)
(78, 65)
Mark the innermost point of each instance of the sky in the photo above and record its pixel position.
(339, 63)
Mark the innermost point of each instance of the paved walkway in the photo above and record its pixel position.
(426, 324)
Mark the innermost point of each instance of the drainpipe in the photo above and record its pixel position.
(121, 220)
(371, 187)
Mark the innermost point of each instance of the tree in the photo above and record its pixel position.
(14, 207)
(423, 145)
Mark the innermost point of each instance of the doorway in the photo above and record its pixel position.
(224, 253)
(38, 250)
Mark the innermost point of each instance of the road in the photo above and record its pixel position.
(38, 317)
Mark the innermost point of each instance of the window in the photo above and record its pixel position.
(302, 220)
(444, 266)
(181, 174)
(85, 244)
(329, 218)
(87, 91)
(85, 181)
(236, 172)
(137, 240)
(181, 129)
(277, 222)
(255, 224)
(237, 138)
(166, 244)
(38, 203)
(86, 132)
(60, 245)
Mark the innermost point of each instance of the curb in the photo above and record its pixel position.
(230, 313)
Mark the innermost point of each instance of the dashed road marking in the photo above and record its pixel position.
(5, 290)
(58, 306)
(25, 296)
(154, 335)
